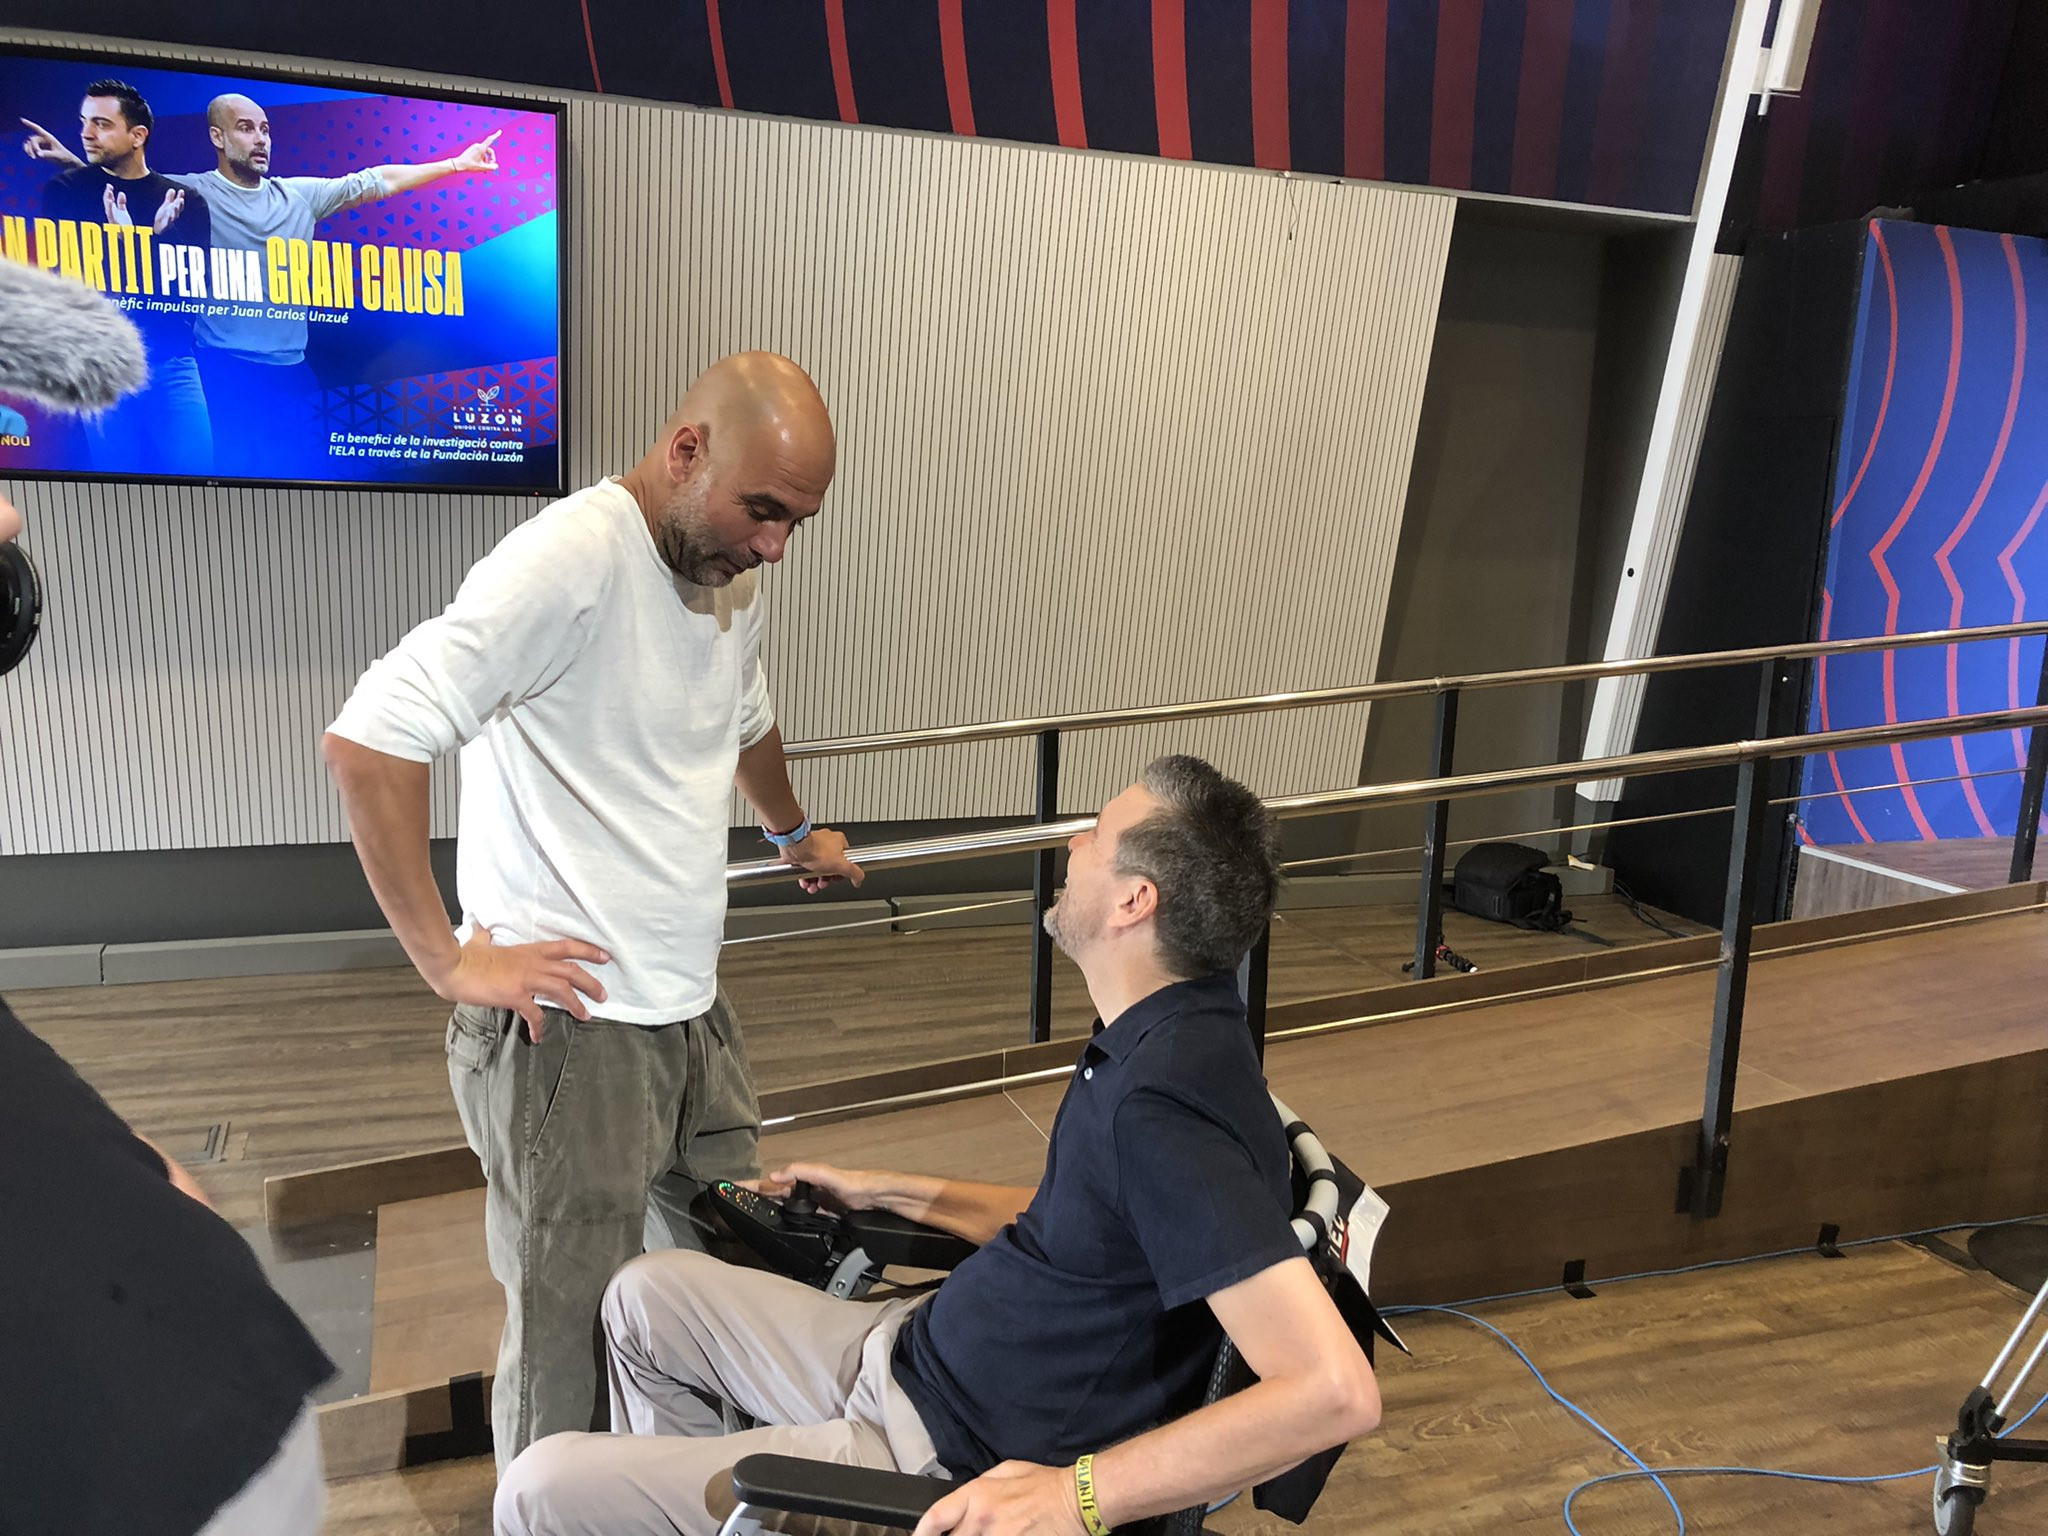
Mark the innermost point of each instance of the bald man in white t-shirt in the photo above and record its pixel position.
(600, 671)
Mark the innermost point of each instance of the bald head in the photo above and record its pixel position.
(743, 461)
(241, 138)
(764, 399)
(222, 111)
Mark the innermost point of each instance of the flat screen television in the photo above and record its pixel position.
(335, 286)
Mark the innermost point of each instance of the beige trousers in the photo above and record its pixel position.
(685, 1333)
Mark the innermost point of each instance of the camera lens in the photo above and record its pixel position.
(21, 605)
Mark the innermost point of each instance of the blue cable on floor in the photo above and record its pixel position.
(1569, 1406)
(1656, 1475)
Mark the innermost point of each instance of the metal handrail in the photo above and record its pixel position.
(1363, 693)
(1038, 835)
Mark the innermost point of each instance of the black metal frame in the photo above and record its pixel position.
(1976, 1442)
(2029, 820)
(1252, 971)
(1042, 889)
(1701, 1186)
(1436, 823)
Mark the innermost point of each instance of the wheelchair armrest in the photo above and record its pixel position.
(892, 1240)
(894, 1499)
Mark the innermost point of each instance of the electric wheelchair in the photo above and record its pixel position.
(1336, 1218)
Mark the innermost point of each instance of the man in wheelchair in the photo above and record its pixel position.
(1052, 1373)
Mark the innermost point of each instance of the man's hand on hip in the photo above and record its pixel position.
(823, 854)
(518, 974)
(1018, 1498)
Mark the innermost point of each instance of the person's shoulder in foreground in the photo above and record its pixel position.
(147, 1369)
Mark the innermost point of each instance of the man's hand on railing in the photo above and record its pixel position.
(823, 854)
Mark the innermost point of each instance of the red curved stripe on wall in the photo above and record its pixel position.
(1891, 368)
(1365, 89)
(590, 46)
(1063, 44)
(1820, 688)
(842, 63)
(1170, 78)
(1539, 100)
(1455, 93)
(718, 53)
(1911, 505)
(1948, 545)
(1272, 135)
(953, 53)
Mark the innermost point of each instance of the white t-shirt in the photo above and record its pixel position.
(601, 703)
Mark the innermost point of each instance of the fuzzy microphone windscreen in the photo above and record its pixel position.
(62, 345)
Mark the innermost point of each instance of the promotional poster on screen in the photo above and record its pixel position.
(332, 286)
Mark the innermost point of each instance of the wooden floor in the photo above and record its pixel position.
(307, 1071)
(1848, 1366)
(1854, 877)
(1962, 863)
(1407, 1101)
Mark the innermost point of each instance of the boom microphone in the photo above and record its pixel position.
(67, 349)
(62, 345)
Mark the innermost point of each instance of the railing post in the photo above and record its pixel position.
(1700, 1187)
(1251, 986)
(2029, 822)
(1429, 905)
(1041, 888)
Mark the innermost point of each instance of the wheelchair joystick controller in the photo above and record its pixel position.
(841, 1253)
(802, 1241)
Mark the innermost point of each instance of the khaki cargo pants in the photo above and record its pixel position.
(594, 1141)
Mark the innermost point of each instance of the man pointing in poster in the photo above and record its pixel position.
(262, 394)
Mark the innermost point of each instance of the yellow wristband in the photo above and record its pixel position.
(1084, 1491)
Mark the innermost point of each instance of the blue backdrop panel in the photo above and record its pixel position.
(1940, 480)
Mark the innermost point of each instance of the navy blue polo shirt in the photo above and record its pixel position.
(1083, 1323)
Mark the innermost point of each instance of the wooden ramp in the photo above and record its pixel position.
(1853, 877)
(438, 1311)
(1886, 1085)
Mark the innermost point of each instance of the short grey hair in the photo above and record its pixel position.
(1213, 854)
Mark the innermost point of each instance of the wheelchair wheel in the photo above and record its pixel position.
(1955, 1505)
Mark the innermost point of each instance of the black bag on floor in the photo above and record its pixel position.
(1507, 883)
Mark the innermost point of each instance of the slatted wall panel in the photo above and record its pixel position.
(1116, 431)
(1113, 431)
(195, 642)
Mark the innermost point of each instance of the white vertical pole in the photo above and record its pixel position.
(1667, 473)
